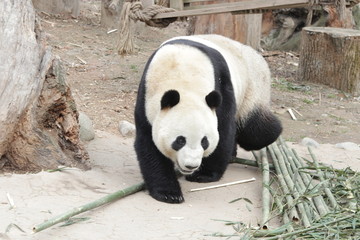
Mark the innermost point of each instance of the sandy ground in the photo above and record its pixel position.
(41, 196)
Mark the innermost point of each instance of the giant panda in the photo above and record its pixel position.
(200, 96)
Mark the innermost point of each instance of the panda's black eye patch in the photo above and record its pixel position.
(179, 142)
(204, 143)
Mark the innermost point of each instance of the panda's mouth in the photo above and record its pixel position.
(183, 171)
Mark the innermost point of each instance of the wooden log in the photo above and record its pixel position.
(331, 56)
(38, 116)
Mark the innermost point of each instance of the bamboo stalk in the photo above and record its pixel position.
(314, 227)
(97, 203)
(293, 215)
(223, 185)
(299, 186)
(318, 201)
(299, 182)
(266, 197)
(257, 157)
(280, 209)
(248, 162)
(328, 193)
(289, 182)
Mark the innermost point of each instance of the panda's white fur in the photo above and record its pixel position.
(175, 67)
(198, 98)
(245, 65)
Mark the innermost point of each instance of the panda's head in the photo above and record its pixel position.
(186, 130)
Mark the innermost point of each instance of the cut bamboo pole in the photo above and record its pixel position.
(327, 191)
(318, 200)
(97, 203)
(299, 182)
(314, 227)
(308, 185)
(257, 156)
(293, 214)
(266, 196)
(223, 185)
(248, 162)
(290, 184)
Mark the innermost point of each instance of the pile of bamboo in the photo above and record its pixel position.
(315, 201)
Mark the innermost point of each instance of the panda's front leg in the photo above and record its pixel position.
(211, 169)
(158, 172)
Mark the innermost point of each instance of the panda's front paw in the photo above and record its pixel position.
(168, 196)
(203, 177)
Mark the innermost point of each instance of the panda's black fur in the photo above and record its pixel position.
(260, 129)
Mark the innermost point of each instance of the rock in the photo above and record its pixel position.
(348, 146)
(86, 127)
(309, 142)
(126, 129)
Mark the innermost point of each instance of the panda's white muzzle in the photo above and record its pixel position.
(189, 160)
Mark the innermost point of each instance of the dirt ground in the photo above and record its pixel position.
(104, 86)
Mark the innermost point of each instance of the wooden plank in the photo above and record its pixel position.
(194, 1)
(177, 4)
(236, 6)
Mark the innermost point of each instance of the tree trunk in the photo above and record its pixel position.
(69, 8)
(38, 117)
(331, 56)
(245, 28)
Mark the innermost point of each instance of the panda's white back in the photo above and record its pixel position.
(250, 74)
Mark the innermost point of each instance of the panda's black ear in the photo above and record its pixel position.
(213, 99)
(170, 99)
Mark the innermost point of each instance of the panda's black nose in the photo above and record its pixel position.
(190, 167)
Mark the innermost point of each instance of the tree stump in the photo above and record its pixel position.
(38, 116)
(331, 56)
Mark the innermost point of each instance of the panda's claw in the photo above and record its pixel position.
(203, 177)
(168, 197)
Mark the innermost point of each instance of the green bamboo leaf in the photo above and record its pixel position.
(11, 225)
(238, 199)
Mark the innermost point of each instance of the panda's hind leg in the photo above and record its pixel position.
(259, 129)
